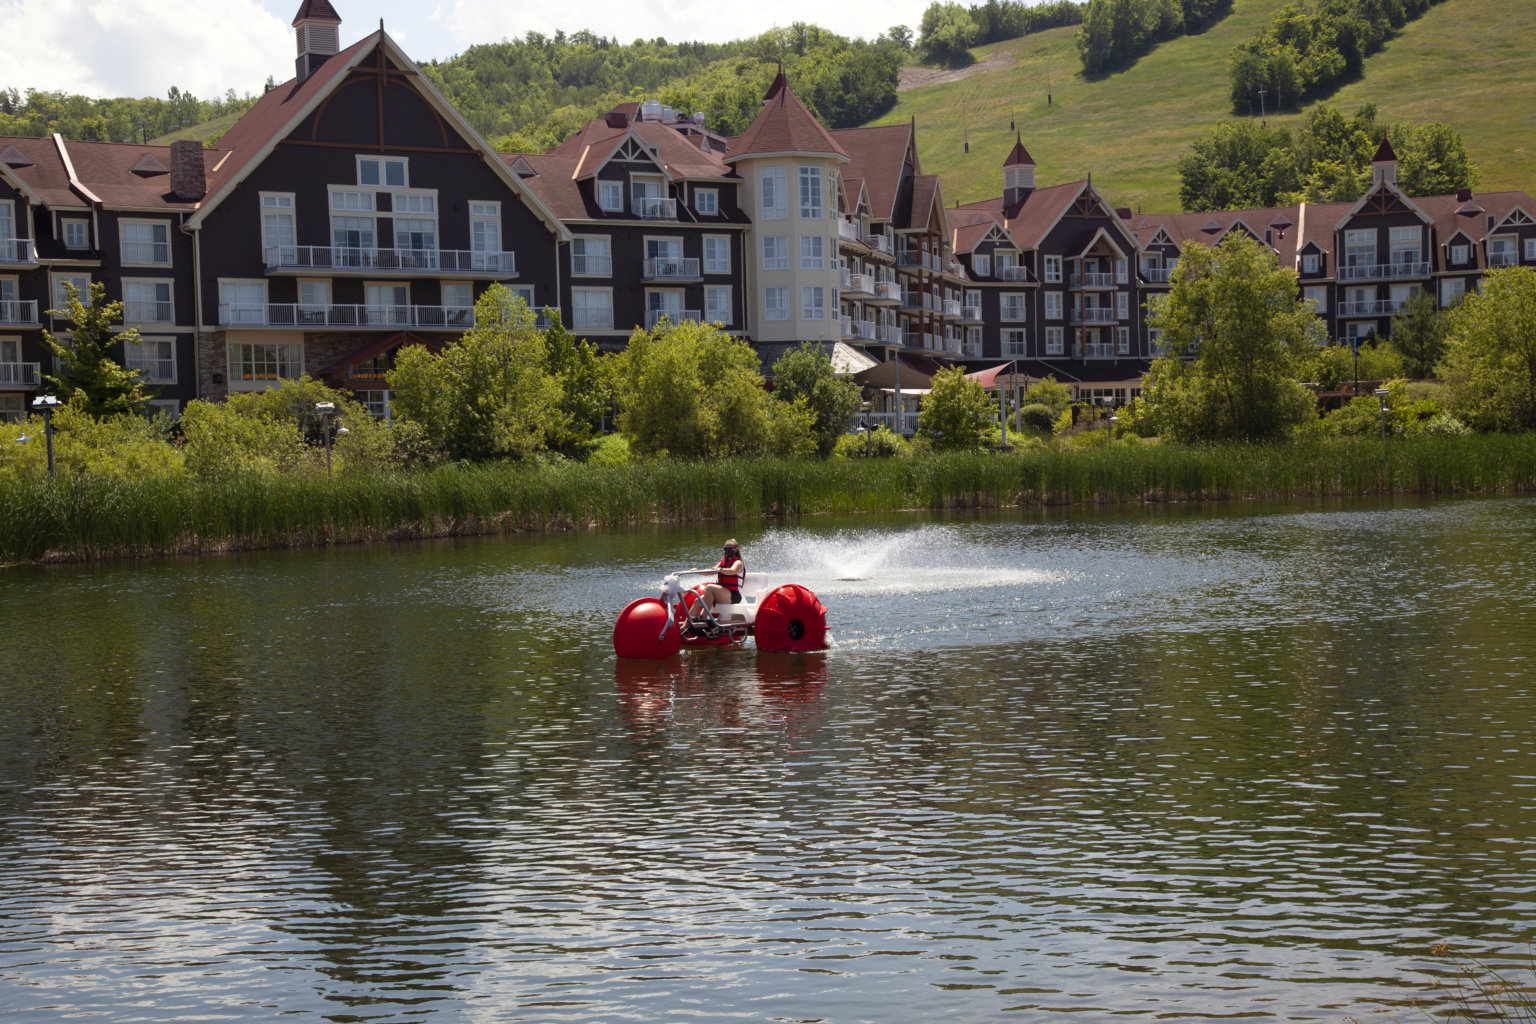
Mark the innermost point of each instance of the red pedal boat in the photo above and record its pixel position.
(783, 618)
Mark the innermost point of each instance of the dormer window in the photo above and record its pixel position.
(610, 196)
(1458, 254)
(707, 201)
(982, 265)
(77, 233)
(381, 171)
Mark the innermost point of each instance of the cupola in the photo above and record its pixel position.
(318, 28)
(1018, 173)
(1384, 165)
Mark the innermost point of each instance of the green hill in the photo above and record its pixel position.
(1466, 62)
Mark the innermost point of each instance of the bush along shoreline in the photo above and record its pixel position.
(93, 516)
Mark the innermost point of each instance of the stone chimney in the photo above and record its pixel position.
(318, 28)
(187, 181)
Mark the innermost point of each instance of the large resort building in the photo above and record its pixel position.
(352, 211)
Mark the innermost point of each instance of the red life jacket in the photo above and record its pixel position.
(731, 581)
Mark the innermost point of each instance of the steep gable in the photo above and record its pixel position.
(783, 126)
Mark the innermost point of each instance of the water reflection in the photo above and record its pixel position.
(1179, 765)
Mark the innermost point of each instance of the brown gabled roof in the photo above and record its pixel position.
(373, 348)
(877, 154)
(555, 184)
(316, 10)
(1384, 152)
(1018, 155)
(925, 191)
(783, 126)
(674, 152)
(44, 174)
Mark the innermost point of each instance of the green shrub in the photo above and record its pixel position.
(792, 429)
(881, 443)
(1036, 417)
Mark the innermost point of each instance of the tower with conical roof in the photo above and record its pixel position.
(318, 27)
(1018, 173)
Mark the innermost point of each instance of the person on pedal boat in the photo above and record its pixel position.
(730, 574)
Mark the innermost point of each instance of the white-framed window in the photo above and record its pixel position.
(145, 242)
(1309, 263)
(1015, 341)
(521, 291)
(257, 365)
(387, 302)
(485, 235)
(13, 408)
(147, 302)
(1013, 306)
(383, 171)
(346, 200)
(1054, 340)
(775, 303)
(707, 201)
(1530, 249)
(458, 295)
(1404, 243)
(591, 256)
(982, 265)
(810, 193)
(610, 196)
(1360, 247)
(591, 307)
(813, 302)
(717, 305)
(1121, 270)
(417, 235)
(774, 195)
(353, 234)
(7, 221)
(314, 301)
(1317, 298)
(811, 252)
(775, 252)
(717, 254)
(278, 237)
(1053, 305)
(1123, 341)
(242, 302)
(1459, 253)
(645, 195)
(82, 283)
(1451, 289)
(1501, 252)
(1053, 269)
(76, 231)
(1123, 305)
(154, 358)
(1155, 340)
(165, 406)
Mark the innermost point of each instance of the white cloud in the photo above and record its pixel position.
(142, 47)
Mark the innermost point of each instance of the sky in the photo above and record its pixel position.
(103, 48)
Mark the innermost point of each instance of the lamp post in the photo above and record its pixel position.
(329, 427)
(46, 404)
(1381, 396)
(864, 408)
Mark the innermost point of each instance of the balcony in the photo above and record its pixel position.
(1372, 307)
(916, 259)
(954, 268)
(971, 350)
(1384, 271)
(154, 371)
(927, 342)
(1013, 273)
(1156, 275)
(848, 231)
(858, 284)
(140, 253)
(362, 317)
(148, 313)
(20, 375)
(887, 291)
(1013, 313)
(1091, 280)
(17, 251)
(666, 269)
(592, 265)
(918, 300)
(592, 318)
(676, 316)
(289, 259)
(1094, 315)
(18, 312)
(1097, 350)
(653, 207)
(858, 330)
(952, 307)
(1503, 258)
(888, 334)
(972, 313)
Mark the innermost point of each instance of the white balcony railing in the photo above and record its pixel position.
(592, 318)
(17, 250)
(352, 258)
(1096, 350)
(952, 307)
(304, 315)
(154, 371)
(1372, 307)
(858, 284)
(592, 264)
(1012, 273)
(1503, 258)
(20, 375)
(888, 291)
(887, 334)
(1091, 279)
(148, 313)
(676, 316)
(1094, 315)
(1155, 275)
(971, 350)
(146, 252)
(654, 207)
(918, 300)
(849, 231)
(23, 311)
(1383, 271)
(880, 243)
(918, 258)
(663, 269)
(971, 313)
(858, 330)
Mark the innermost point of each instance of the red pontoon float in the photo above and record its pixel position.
(784, 618)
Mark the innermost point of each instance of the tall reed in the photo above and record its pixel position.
(88, 517)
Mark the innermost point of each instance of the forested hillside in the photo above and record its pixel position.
(39, 113)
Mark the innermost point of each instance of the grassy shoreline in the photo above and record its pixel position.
(91, 517)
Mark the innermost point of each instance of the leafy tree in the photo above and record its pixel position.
(1418, 335)
(947, 33)
(276, 430)
(1490, 360)
(957, 412)
(585, 390)
(1051, 393)
(805, 375)
(488, 395)
(1431, 159)
(88, 376)
(690, 391)
(1236, 333)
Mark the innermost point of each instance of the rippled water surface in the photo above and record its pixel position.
(1175, 765)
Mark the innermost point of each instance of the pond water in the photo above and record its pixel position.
(1182, 764)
